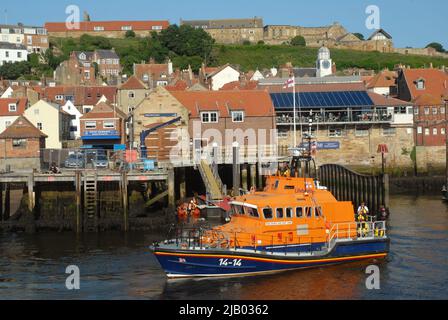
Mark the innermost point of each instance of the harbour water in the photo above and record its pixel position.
(118, 266)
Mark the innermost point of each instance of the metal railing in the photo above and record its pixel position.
(206, 238)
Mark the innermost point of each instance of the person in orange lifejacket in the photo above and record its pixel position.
(192, 206)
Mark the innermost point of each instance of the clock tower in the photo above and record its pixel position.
(324, 64)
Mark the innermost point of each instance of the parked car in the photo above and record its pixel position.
(100, 162)
(75, 160)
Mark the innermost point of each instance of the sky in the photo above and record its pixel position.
(413, 23)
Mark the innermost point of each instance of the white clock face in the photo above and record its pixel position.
(326, 64)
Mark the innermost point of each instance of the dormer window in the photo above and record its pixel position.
(12, 107)
(82, 56)
(145, 77)
(420, 84)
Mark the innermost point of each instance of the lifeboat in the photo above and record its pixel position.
(294, 223)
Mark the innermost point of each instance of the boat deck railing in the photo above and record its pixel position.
(203, 238)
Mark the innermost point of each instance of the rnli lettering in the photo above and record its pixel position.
(278, 223)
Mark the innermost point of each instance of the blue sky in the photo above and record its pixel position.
(412, 23)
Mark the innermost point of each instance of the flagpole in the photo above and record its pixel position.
(294, 103)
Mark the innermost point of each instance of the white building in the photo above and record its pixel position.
(223, 76)
(34, 38)
(52, 121)
(10, 52)
(75, 131)
(10, 110)
(324, 64)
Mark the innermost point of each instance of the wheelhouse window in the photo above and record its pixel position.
(318, 212)
(252, 212)
(238, 210)
(309, 212)
(267, 213)
(279, 212)
(289, 213)
(299, 212)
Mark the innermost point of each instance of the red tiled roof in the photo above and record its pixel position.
(436, 82)
(133, 83)
(154, 70)
(428, 100)
(180, 85)
(20, 103)
(82, 95)
(384, 79)
(107, 25)
(22, 128)
(254, 103)
(237, 85)
(381, 100)
(104, 111)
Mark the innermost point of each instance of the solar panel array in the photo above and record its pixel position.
(335, 99)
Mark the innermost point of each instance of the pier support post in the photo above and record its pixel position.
(31, 198)
(7, 210)
(386, 190)
(171, 189)
(236, 169)
(244, 176)
(253, 176)
(182, 184)
(78, 186)
(124, 183)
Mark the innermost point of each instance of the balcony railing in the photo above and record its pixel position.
(333, 117)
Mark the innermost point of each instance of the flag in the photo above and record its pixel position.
(289, 83)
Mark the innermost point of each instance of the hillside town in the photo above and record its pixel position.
(90, 103)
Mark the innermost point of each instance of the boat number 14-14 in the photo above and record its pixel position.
(230, 262)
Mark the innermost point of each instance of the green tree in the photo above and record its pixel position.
(360, 36)
(129, 34)
(437, 46)
(13, 71)
(298, 41)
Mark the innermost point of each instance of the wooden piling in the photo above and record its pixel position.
(124, 181)
(253, 176)
(244, 176)
(171, 189)
(386, 190)
(236, 169)
(182, 184)
(30, 184)
(1, 202)
(78, 187)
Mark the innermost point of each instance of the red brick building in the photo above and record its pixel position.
(20, 145)
(103, 127)
(428, 90)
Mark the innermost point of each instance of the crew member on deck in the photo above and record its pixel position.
(363, 210)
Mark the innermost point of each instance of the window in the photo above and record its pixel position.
(299, 212)
(98, 28)
(442, 110)
(39, 125)
(36, 111)
(7, 54)
(19, 55)
(145, 77)
(7, 123)
(389, 131)
(360, 132)
(209, 117)
(126, 28)
(19, 143)
(59, 97)
(434, 110)
(318, 212)
(252, 212)
(131, 94)
(238, 210)
(289, 212)
(87, 74)
(109, 124)
(416, 111)
(426, 131)
(279, 212)
(335, 132)
(12, 107)
(156, 28)
(442, 131)
(237, 116)
(309, 212)
(267, 212)
(420, 84)
(90, 125)
(426, 110)
(434, 131)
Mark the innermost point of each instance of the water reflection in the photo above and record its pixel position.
(118, 266)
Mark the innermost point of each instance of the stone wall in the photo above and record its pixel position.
(107, 34)
(431, 159)
(361, 151)
(20, 164)
(236, 35)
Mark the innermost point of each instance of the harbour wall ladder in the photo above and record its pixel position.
(212, 181)
(90, 200)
